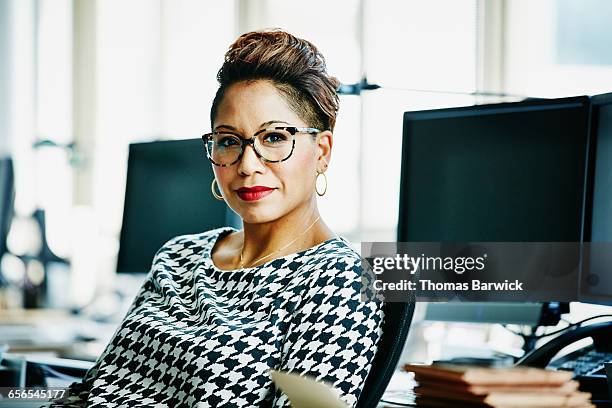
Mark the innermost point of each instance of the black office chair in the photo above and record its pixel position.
(396, 324)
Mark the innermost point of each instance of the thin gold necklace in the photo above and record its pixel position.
(278, 250)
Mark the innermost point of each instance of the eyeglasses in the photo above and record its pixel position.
(272, 145)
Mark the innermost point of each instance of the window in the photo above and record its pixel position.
(408, 45)
(333, 28)
(558, 48)
(156, 79)
(396, 45)
(150, 73)
(421, 45)
(53, 170)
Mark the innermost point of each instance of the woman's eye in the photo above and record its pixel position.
(275, 138)
(227, 141)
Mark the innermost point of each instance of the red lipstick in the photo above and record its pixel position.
(254, 193)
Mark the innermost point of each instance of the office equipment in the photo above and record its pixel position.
(167, 194)
(39, 373)
(54, 372)
(584, 363)
(588, 363)
(532, 314)
(596, 279)
(509, 172)
(486, 312)
(35, 294)
(12, 371)
(485, 173)
(7, 200)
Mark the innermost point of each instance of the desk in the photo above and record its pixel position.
(53, 333)
(399, 391)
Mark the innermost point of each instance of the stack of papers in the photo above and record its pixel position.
(453, 386)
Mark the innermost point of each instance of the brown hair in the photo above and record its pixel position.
(295, 67)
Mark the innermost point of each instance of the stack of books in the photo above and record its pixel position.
(458, 386)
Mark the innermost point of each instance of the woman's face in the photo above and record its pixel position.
(246, 108)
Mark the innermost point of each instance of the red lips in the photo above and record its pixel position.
(254, 193)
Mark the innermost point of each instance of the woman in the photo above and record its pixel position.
(221, 308)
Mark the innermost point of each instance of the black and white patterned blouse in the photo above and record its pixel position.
(198, 336)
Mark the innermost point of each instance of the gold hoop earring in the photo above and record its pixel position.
(214, 193)
(316, 183)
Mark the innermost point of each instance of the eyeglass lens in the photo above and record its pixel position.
(272, 145)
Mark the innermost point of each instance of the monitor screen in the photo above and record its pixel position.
(596, 282)
(511, 172)
(167, 194)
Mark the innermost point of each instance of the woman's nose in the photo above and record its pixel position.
(250, 162)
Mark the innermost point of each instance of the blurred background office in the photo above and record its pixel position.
(81, 80)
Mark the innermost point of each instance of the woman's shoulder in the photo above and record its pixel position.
(335, 261)
(336, 250)
(193, 242)
(335, 271)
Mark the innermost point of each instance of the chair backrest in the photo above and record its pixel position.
(396, 325)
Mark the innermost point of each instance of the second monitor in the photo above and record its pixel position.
(167, 194)
(510, 172)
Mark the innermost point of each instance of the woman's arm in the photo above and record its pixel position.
(334, 334)
(78, 392)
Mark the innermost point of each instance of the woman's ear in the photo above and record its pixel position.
(325, 141)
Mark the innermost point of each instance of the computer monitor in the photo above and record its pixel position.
(7, 200)
(167, 194)
(486, 312)
(509, 172)
(596, 277)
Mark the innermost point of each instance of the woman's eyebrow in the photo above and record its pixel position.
(273, 121)
(261, 126)
(226, 126)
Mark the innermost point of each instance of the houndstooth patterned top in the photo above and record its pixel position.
(200, 336)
